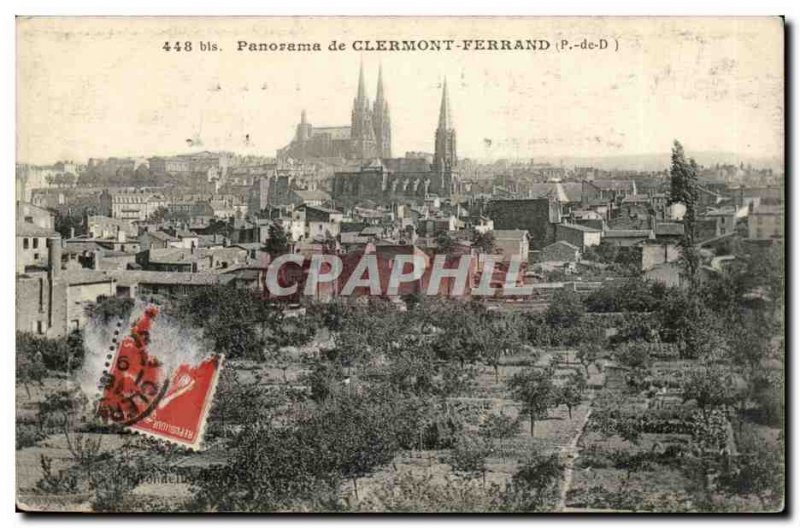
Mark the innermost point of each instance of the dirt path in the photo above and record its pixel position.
(570, 454)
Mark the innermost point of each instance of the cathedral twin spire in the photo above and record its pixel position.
(371, 129)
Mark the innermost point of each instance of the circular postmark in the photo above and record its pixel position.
(135, 382)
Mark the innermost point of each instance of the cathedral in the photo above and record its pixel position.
(367, 145)
(369, 135)
(412, 178)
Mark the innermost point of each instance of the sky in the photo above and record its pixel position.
(100, 87)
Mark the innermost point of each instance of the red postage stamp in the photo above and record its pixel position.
(140, 393)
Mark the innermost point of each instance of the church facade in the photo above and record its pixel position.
(368, 136)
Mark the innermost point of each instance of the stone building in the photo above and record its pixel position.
(368, 136)
(50, 301)
(538, 216)
(412, 177)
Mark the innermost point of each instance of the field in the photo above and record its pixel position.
(442, 406)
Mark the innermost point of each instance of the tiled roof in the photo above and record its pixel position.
(509, 234)
(669, 228)
(25, 229)
(579, 227)
(628, 233)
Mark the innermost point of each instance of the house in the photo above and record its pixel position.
(191, 260)
(138, 283)
(309, 197)
(255, 251)
(668, 274)
(157, 240)
(765, 223)
(560, 252)
(480, 224)
(725, 218)
(512, 243)
(188, 239)
(627, 237)
(635, 206)
(173, 260)
(562, 192)
(608, 191)
(668, 231)
(53, 302)
(295, 229)
(33, 215)
(320, 222)
(537, 216)
(434, 226)
(212, 240)
(99, 226)
(578, 235)
(136, 205)
(657, 253)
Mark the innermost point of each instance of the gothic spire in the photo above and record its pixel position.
(379, 92)
(362, 91)
(445, 122)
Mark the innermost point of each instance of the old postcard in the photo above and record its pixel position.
(431, 264)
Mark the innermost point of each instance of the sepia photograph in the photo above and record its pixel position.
(409, 264)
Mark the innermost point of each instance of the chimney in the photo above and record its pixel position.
(54, 255)
(72, 232)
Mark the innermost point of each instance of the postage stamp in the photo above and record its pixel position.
(141, 394)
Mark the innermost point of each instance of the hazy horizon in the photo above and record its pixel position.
(99, 87)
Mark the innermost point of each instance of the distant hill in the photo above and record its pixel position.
(656, 162)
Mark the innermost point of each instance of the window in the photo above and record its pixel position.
(25, 243)
(35, 243)
(35, 256)
(39, 327)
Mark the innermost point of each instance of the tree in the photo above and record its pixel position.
(161, 214)
(446, 243)
(60, 354)
(277, 242)
(565, 309)
(238, 402)
(499, 427)
(683, 189)
(30, 365)
(710, 387)
(588, 354)
(301, 466)
(484, 242)
(325, 379)
(357, 433)
(69, 179)
(534, 389)
(414, 372)
(571, 393)
(68, 225)
(238, 322)
(504, 338)
(110, 309)
(759, 470)
(634, 355)
(534, 486)
(468, 457)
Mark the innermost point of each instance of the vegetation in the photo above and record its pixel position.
(363, 406)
